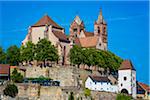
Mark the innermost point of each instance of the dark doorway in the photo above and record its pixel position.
(124, 91)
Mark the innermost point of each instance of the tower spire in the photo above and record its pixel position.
(100, 16)
(101, 11)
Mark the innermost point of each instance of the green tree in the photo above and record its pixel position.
(94, 57)
(11, 90)
(27, 52)
(123, 97)
(13, 55)
(45, 51)
(2, 56)
(76, 55)
(16, 76)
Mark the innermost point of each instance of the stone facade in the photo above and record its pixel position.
(66, 76)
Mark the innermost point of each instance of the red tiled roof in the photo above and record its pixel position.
(126, 64)
(87, 34)
(61, 36)
(144, 86)
(89, 41)
(4, 69)
(46, 20)
(100, 78)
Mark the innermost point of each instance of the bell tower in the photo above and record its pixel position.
(100, 29)
(76, 27)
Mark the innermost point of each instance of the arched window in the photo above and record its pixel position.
(98, 30)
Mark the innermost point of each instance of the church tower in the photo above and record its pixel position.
(127, 78)
(76, 27)
(100, 29)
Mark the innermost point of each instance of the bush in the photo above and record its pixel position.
(11, 90)
(16, 77)
(87, 92)
(123, 97)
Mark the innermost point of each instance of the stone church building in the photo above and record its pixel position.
(47, 28)
(96, 39)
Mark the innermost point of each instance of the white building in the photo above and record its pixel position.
(100, 83)
(126, 81)
(127, 78)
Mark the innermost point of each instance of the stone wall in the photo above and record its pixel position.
(66, 76)
(36, 92)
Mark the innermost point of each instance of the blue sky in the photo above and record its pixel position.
(128, 25)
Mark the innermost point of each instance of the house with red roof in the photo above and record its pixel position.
(143, 91)
(4, 72)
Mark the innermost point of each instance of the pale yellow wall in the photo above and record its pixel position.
(81, 34)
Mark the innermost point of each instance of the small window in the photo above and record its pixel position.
(125, 78)
(75, 30)
(39, 38)
(81, 30)
(121, 84)
(100, 44)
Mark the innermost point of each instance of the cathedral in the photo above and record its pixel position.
(47, 28)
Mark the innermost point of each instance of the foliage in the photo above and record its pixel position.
(94, 57)
(76, 55)
(27, 52)
(39, 78)
(16, 77)
(13, 55)
(71, 97)
(123, 97)
(2, 56)
(87, 92)
(45, 51)
(11, 90)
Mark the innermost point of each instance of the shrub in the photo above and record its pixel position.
(11, 90)
(123, 97)
(87, 92)
(16, 77)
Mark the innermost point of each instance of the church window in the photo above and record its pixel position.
(75, 30)
(125, 78)
(98, 30)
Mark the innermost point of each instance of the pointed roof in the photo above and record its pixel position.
(78, 20)
(126, 64)
(100, 18)
(46, 20)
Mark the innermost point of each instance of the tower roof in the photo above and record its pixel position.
(126, 64)
(78, 20)
(46, 20)
(100, 18)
